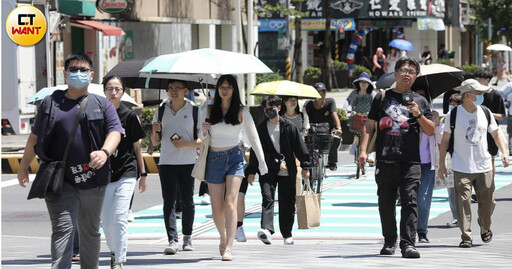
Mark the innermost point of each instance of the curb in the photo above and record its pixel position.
(11, 163)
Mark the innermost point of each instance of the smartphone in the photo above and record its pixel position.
(175, 137)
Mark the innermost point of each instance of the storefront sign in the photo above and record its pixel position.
(366, 9)
(112, 6)
(128, 45)
(274, 25)
(59, 63)
(384, 23)
(431, 24)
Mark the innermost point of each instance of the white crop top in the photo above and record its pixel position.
(227, 135)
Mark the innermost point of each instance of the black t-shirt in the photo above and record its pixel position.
(123, 161)
(494, 102)
(398, 134)
(324, 114)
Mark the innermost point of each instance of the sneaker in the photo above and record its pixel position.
(76, 258)
(371, 162)
(422, 238)
(240, 234)
(265, 236)
(187, 243)
(332, 166)
(452, 224)
(117, 266)
(171, 249)
(473, 198)
(112, 259)
(410, 252)
(388, 249)
(179, 214)
(206, 199)
(289, 241)
(130, 218)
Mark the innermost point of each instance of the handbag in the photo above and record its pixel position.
(319, 128)
(357, 122)
(199, 169)
(308, 207)
(372, 147)
(50, 176)
(448, 180)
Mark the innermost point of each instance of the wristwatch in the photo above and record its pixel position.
(106, 152)
(144, 174)
(419, 116)
(338, 128)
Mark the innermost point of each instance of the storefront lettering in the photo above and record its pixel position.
(411, 4)
(385, 13)
(393, 5)
(423, 4)
(314, 8)
(375, 4)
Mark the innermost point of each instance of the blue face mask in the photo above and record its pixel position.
(450, 107)
(479, 99)
(78, 80)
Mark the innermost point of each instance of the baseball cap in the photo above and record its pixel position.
(319, 86)
(472, 84)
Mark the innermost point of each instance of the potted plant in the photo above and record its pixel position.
(312, 75)
(347, 135)
(469, 70)
(341, 73)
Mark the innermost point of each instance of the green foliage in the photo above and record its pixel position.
(499, 11)
(146, 117)
(267, 10)
(147, 114)
(342, 114)
(337, 65)
(469, 68)
(449, 62)
(312, 72)
(267, 77)
(358, 69)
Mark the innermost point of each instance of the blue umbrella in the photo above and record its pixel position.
(401, 44)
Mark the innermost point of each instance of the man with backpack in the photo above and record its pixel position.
(471, 160)
(175, 126)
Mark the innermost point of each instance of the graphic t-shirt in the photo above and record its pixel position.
(398, 133)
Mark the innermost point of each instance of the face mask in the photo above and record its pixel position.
(450, 107)
(479, 99)
(212, 93)
(270, 113)
(78, 80)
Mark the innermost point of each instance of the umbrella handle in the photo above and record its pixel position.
(149, 77)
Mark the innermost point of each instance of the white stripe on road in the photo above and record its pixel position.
(12, 182)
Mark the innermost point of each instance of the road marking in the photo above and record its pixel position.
(12, 182)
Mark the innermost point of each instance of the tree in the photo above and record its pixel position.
(327, 69)
(499, 11)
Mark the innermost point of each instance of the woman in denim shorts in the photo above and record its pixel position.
(229, 123)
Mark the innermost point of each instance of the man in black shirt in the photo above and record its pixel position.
(400, 115)
(324, 110)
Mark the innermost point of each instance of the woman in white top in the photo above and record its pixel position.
(392, 58)
(229, 123)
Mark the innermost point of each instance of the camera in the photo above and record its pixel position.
(407, 98)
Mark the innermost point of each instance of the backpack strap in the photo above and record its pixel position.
(453, 118)
(195, 112)
(487, 113)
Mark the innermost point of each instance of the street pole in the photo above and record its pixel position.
(49, 65)
(238, 26)
(251, 78)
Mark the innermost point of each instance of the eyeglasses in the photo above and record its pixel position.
(175, 89)
(407, 71)
(476, 94)
(113, 89)
(74, 69)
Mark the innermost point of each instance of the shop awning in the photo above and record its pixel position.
(98, 26)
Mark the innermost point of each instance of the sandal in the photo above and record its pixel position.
(227, 256)
(465, 244)
(486, 237)
(222, 249)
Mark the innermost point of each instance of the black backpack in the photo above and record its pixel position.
(453, 118)
(195, 112)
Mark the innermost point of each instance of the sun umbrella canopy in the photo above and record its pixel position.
(286, 88)
(129, 71)
(499, 47)
(204, 61)
(434, 78)
(93, 88)
(401, 44)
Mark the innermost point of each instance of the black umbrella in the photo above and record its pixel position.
(129, 71)
(434, 78)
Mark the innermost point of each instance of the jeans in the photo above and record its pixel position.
(425, 197)
(220, 164)
(173, 177)
(404, 177)
(71, 209)
(286, 192)
(114, 215)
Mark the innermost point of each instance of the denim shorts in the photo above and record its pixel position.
(224, 163)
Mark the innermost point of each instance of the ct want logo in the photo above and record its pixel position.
(26, 25)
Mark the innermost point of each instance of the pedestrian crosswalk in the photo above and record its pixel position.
(349, 210)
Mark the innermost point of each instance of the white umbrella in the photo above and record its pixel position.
(499, 47)
(93, 88)
(204, 61)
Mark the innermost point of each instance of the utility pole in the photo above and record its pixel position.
(251, 78)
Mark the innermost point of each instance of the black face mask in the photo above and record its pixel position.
(270, 112)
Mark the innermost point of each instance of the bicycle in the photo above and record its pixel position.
(357, 132)
(318, 146)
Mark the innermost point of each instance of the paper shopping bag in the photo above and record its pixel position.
(308, 208)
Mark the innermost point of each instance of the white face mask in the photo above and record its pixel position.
(78, 79)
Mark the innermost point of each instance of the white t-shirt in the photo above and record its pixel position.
(180, 123)
(470, 153)
(274, 131)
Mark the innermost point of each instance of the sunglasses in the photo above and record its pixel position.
(74, 69)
